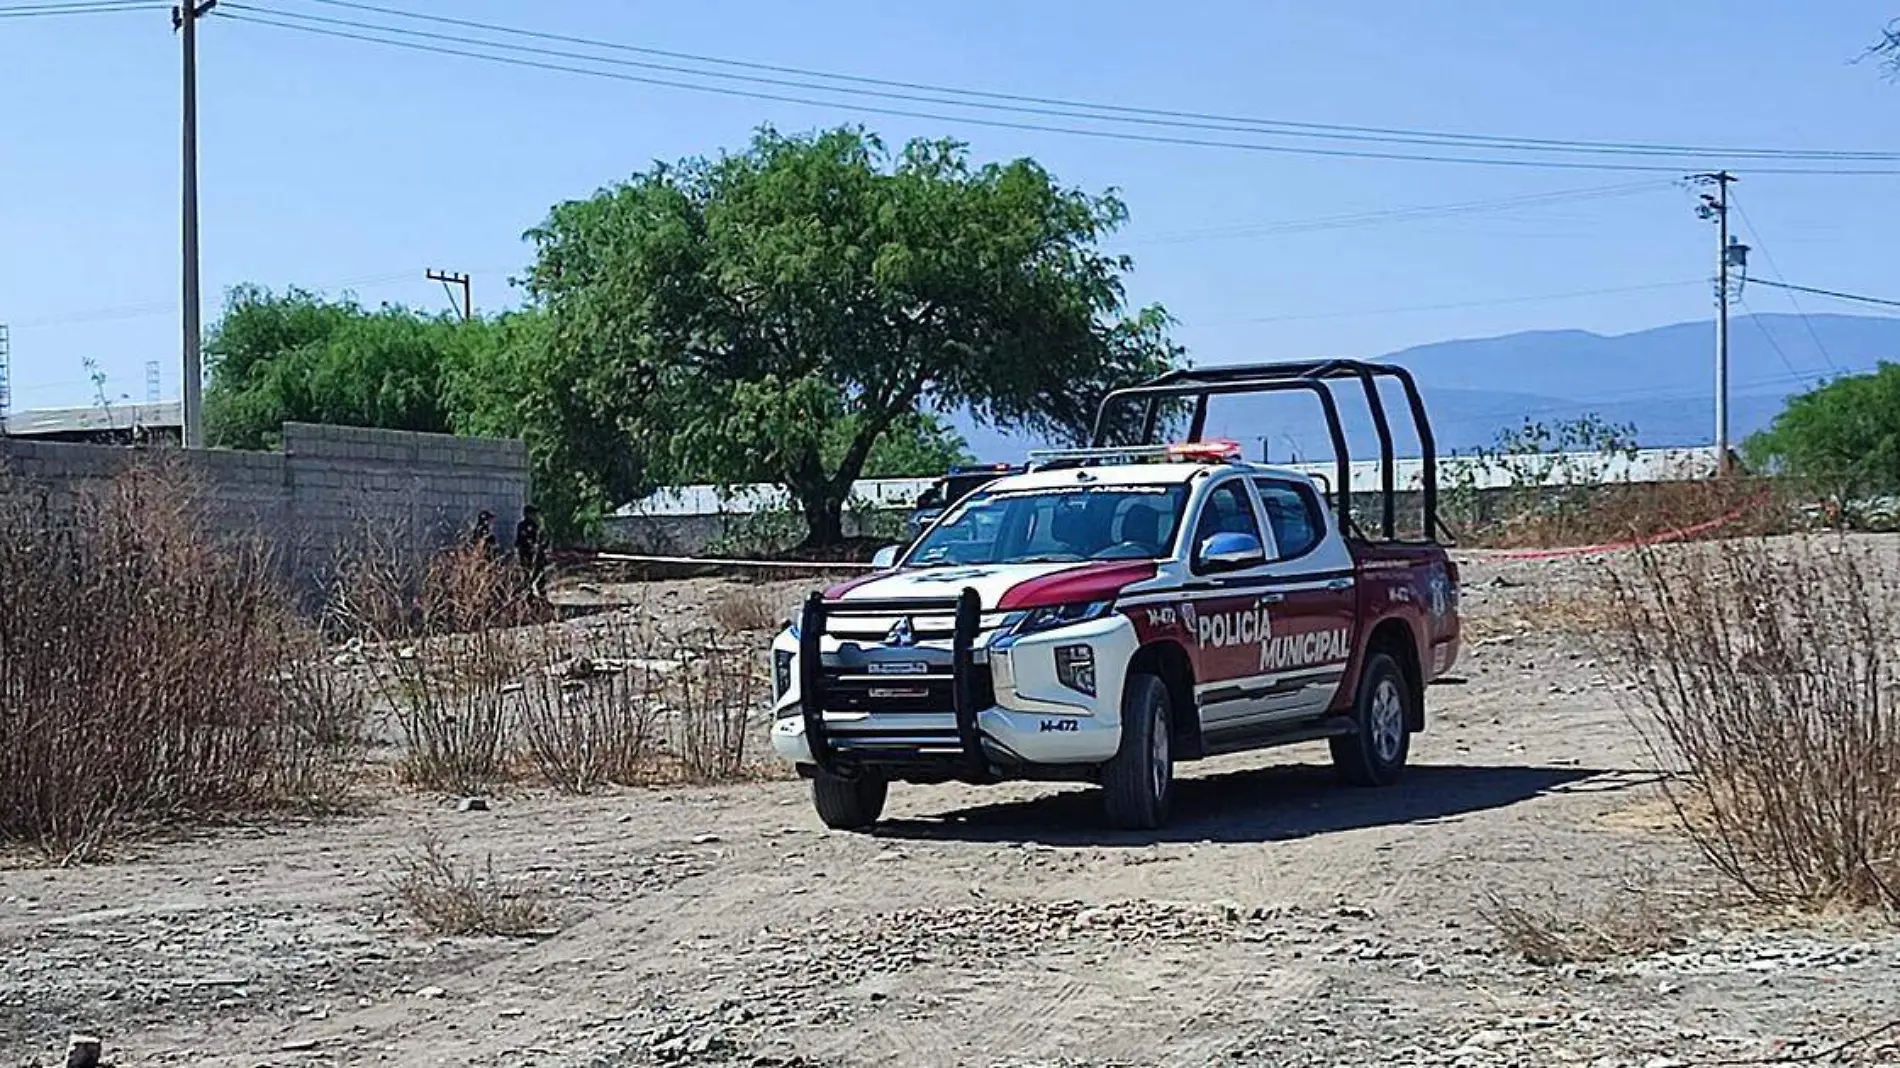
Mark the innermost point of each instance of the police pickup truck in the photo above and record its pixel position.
(1113, 611)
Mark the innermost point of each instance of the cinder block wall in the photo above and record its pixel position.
(329, 490)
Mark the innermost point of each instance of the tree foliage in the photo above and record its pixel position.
(774, 315)
(1844, 436)
(298, 357)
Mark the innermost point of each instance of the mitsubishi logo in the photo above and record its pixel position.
(902, 634)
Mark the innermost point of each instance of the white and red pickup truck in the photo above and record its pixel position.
(1112, 611)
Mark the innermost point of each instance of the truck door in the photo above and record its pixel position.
(1310, 581)
(1223, 612)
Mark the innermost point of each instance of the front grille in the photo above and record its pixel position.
(852, 690)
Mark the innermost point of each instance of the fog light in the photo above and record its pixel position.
(781, 672)
(1075, 668)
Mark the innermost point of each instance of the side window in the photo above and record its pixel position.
(1227, 510)
(1293, 514)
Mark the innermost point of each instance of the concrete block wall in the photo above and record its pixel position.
(329, 490)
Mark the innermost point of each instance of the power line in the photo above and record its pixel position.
(1770, 335)
(1836, 294)
(1248, 124)
(249, 15)
(1760, 246)
(77, 7)
(1528, 299)
(1411, 214)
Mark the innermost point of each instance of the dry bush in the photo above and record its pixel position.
(746, 611)
(449, 899)
(1632, 924)
(592, 719)
(1767, 671)
(141, 665)
(449, 699)
(1595, 514)
(713, 698)
(320, 740)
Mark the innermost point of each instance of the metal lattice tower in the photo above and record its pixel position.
(6, 372)
(151, 381)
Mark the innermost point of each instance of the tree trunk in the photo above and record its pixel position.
(824, 517)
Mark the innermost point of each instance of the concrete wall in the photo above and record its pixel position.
(329, 490)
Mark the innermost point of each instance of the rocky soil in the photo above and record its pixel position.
(1518, 900)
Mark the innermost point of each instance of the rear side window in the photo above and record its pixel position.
(1293, 514)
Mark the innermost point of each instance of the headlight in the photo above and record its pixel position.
(1052, 616)
(781, 672)
(1075, 668)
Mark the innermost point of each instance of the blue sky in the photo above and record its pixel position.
(340, 165)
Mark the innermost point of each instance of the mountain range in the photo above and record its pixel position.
(1661, 380)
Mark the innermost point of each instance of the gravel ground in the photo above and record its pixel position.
(1280, 920)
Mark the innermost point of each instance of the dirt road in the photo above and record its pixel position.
(1281, 920)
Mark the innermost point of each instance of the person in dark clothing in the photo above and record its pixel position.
(482, 535)
(530, 548)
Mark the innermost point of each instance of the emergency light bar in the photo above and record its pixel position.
(1181, 451)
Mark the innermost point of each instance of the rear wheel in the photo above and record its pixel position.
(1138, 783)
(1374, 754)
(852, 804)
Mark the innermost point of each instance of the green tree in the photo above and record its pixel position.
(771, 316)
(299, 357)
(1843, 436)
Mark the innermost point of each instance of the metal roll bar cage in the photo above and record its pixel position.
(1312, 376)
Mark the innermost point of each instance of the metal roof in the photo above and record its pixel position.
(45, 422)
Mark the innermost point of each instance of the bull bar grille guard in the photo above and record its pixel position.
(966, 609)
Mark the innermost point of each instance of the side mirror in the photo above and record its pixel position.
(884, 559)
(1229, 552)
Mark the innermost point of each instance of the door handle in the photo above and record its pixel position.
(1272, 598)
(1340, 584)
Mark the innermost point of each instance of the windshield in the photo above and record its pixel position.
(1066, 524)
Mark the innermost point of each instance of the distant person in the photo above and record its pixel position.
(481, 537)
(531, 548)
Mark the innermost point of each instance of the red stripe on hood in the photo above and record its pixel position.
(1093, 582)
(832, 593)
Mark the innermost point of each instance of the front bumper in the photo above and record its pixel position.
(895, 707)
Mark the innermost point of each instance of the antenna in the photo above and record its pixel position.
(151, 382)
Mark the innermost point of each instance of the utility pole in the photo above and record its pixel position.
(185, 18)
(449, 278)
(6, 376)
(1715, 206)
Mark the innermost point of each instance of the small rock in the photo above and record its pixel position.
(82, 1051)
(705, 839)
(298, 1045)
(472, 804)
(431, 992)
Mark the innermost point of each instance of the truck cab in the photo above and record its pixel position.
(1108, 613)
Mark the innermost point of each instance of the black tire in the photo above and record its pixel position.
(852, 804)
(1375, 753)
(1138, 783)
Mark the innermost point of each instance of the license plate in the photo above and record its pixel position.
(898, 667)
(889, 693)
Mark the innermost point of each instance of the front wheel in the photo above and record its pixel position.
(1138, 783)
(1374, 754)
(852, 804)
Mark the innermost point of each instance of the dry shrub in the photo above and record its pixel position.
(1632, 923)
(746, 611)
(321, 740)
(1602, 513)
(444, 633)
(591, 719)
(449, 700)
(449, 899)
(142, 666)
(713, 697)
(1767, 670)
